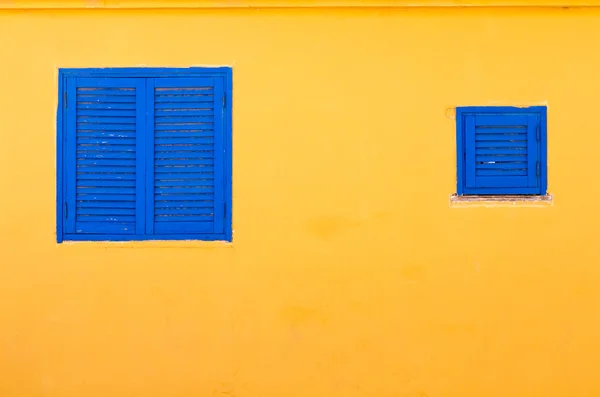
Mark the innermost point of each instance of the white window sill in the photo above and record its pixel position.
(500, 201)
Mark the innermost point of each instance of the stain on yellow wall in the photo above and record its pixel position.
(349, 274)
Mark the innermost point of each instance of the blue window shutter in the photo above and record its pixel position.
(185, 156)
(104, 156)
(501, 150)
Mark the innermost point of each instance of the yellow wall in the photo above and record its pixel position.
(350, 273)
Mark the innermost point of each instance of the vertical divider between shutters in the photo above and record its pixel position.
(140, 141)
(470, 164)
(532, 152)
(149, 151)
(219, 152)
(71, 156)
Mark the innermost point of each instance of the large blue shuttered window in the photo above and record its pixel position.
(501, 150)
(144, 154)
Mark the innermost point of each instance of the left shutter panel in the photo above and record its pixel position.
(105, 156)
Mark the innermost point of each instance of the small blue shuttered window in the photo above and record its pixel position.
(501, 150)
(144, 154)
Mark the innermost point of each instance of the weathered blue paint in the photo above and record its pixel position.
(116, 219)
(501, 150)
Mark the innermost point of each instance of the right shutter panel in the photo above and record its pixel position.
(185, 158)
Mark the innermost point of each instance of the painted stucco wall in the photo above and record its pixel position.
(350, 273)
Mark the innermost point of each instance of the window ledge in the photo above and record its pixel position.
(148, 244)
(501, 201)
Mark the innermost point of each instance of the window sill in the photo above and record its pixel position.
(148, 244)
(500, 201)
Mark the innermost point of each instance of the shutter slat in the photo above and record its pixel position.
(182, 190)
(185, 204)
(170, 91)
(82, 205)
(177, 154)
(206, 127)
(511, 158)
(92, 154)
(84, 164)
(182, 177)
(107, 218)
(184, 147)
(185, 182)
(499, 165)
(117, 170)
(103, 135)
(106, 106)
(121, 189)
(108, 150)
(106, 120)
(116, 183)
(86, 211)
(118, 92)
(184, 99)
(503, 172)
(175, 111)
(183, 106)
(497, 144)
(192, 135)
(104, 99)
(185, 121)
(105, 197)
(501, 130)
(105, 113)
(184, 197)
(183, 140)
(99, 177)
(177, 170)
(106, 141)
(187, 162)
(502, 151)
(187, 217)
(81, 127)
(184, 210)
(501, 137)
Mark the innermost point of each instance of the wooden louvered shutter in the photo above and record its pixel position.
(105, 156)
(502, 151)
(185, 156)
